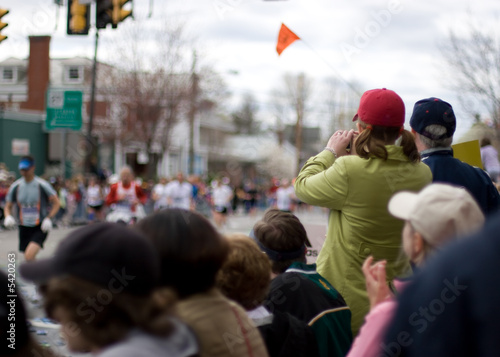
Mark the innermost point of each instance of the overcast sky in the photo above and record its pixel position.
(389, 43)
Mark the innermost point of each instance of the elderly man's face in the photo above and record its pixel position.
(126, 176)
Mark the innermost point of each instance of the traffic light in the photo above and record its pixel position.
(119, 14)
(104, 13)
(78, 18)
(3, 25)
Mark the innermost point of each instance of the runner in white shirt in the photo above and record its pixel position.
(180, 193)
(160, 194)
(95, 200)
(221, 200)
(285, 195)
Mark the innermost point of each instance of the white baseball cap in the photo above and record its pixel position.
(439, 212)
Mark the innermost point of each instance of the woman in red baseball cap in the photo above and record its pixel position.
(356, 186)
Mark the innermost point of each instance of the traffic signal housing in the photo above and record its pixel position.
(78, 18)
(119, 14)
(104, 13)
(3, 25)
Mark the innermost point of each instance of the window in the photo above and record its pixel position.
(74, 74)
(8, 74)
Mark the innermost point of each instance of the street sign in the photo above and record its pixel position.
(64, 109)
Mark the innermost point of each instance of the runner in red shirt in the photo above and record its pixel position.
(126, 194)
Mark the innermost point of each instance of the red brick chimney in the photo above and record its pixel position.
(38, 72)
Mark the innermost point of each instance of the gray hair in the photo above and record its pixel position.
(126, 168)
(437, 130)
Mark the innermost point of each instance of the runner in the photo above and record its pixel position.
(285, 195)
(180, 193)
(32, 196)
(95, 200)
(221, 201)
(126, 199)
(160, 194)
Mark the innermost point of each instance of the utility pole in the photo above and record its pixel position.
(300, 104)
(90, 140)
(298, 137)
(192, 113)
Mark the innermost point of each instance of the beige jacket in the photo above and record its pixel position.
(222, 326)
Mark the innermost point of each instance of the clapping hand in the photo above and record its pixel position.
(376, 284)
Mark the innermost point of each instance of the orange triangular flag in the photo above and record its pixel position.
(285, 38)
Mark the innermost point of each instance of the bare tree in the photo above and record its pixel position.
(298, 91)
(213, 89)
(473, 63)
(341, 103)
(151, 84)
(278, 105)
(244, 118)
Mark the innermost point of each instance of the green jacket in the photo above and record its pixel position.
(357, 192)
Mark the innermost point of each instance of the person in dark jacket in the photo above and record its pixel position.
(452, 307)
(245, 277)
(297, 288)
(433, 123)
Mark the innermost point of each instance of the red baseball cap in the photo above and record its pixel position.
(381, 107)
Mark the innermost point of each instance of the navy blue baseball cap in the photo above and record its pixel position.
(433, 111)
(26, 163)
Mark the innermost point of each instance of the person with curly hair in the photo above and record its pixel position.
(245, 278)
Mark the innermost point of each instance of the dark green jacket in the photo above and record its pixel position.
(305, 294)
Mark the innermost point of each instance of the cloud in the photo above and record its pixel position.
(399, 51)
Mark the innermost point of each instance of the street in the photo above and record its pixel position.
(48, 334)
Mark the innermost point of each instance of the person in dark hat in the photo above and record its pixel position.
(37, 203)
(99, 286)
(433, 123)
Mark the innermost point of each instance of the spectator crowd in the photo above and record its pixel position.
(408, 266)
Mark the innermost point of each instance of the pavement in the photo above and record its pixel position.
(48, 334)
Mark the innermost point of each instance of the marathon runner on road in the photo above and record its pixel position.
(37, 204)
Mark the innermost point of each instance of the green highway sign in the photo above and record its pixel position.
(64, 109)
